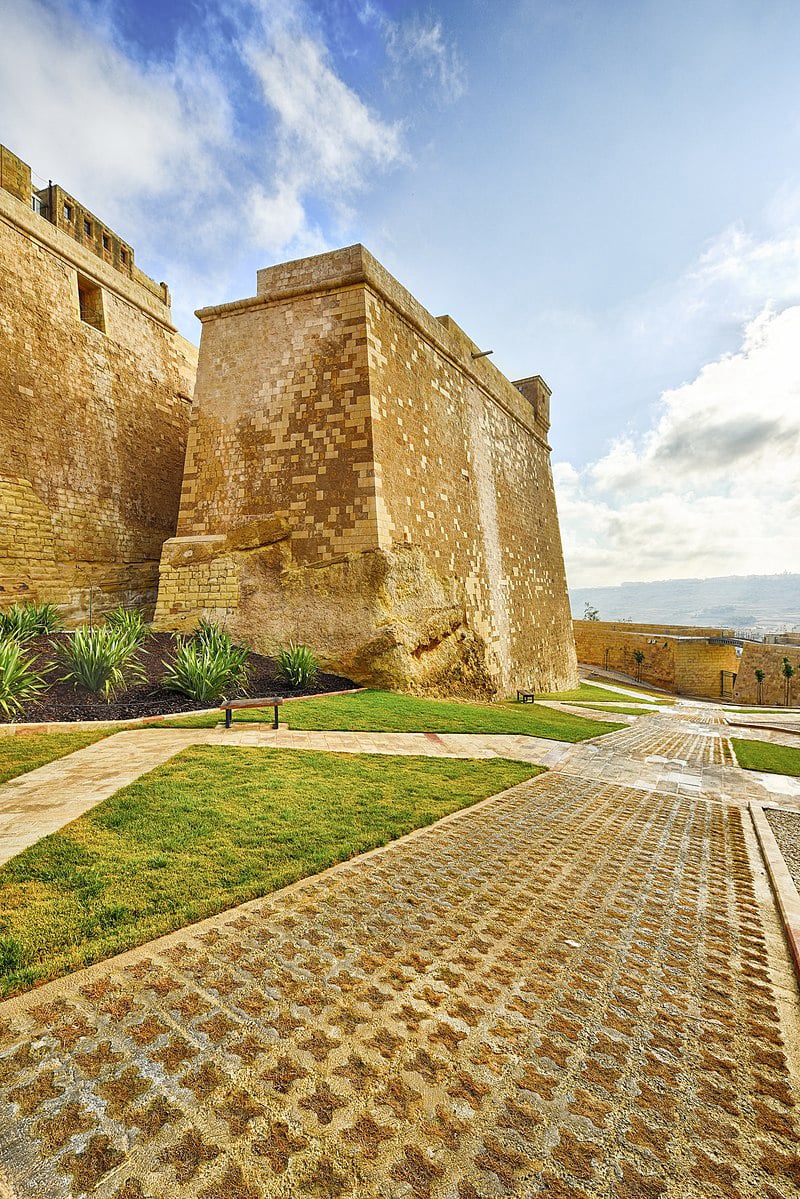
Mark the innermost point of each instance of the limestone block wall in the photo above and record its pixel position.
(769, 658)
(699, 667)
(683, 662)
(93, 421)
(612, 646)
(354, 478)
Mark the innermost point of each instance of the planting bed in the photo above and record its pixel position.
(64, 701)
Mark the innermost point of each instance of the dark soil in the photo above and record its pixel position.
(64, 701)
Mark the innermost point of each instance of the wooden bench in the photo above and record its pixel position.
(526, 697)
(271, 702)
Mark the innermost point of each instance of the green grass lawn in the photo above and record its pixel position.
(773, 759)
(390, 712)
(210, 829)
(634, 710)
(25, 751)
(648, 693)
(586, 691)
(760, 711)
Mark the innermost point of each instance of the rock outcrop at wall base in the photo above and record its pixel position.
(358, 477)
(380, 616)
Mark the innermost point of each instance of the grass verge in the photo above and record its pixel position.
(208, 830)
(655, 696)
(772, 759)
(586, 691)
(762, 711)
(22, 752)
(634, 710)
(390, 712)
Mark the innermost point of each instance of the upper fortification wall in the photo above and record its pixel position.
(95, 392)
(357, 476)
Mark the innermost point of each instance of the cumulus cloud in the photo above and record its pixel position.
(242, 136)
(713, 487)
(327, 139)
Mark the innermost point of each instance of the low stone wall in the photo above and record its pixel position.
(685, 663)
(769, 658)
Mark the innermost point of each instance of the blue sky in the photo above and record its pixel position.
(605, 193)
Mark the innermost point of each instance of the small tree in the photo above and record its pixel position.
(639, 656)
(590, 613)
(760, 676)
(787, 670)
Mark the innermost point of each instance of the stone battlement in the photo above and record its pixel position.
(71, 217)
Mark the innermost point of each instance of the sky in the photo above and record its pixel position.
(603, 192)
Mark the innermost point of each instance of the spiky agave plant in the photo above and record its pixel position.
(101, 659)
(298, 665)
(20, 683)
(208, 669)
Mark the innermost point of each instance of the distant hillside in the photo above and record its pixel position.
(764, 603)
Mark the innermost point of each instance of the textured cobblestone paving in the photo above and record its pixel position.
(564, 992)
(692, 740)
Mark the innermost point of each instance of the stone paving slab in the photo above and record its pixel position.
(564, 991)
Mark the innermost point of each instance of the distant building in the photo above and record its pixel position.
(95, 393)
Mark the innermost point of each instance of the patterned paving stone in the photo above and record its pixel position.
(564, 992)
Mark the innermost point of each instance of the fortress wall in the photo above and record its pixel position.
(285, 394)
(699, 668)
(92, 423)
(658, 630)
(769, 658)
(279, 466)
(463, 475)
(332, 412)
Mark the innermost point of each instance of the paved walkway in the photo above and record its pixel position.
(577, 989)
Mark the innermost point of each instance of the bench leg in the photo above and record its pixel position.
(228, 715)
(275, 722)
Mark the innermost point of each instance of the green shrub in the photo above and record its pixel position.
(211, 634)
(19, 682)
(298, 665)
(100, 659)
(25, 621)
(208, 668)
(130, 621)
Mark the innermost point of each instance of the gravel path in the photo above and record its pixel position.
(786, 827)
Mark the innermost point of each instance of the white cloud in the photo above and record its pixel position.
(328, 141)
(421, 46)
(242, 138)
(418, 46)
(712, 488)
(120, 126)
